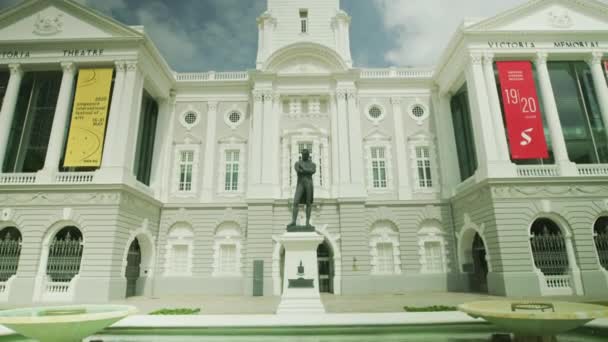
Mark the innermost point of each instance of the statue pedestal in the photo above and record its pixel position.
(301, 276)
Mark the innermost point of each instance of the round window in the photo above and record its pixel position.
(190, 118)
(418, 111)
(375, 112)
(234, 117)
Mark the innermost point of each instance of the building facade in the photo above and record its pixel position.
(415, 189)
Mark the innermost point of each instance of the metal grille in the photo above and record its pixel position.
(601, 244)
(549, 252)
(10, 250)
(65, 255)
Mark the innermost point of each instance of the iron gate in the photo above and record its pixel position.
(10, 250)
(65, 255)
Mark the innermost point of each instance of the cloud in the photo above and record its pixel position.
(420, 30)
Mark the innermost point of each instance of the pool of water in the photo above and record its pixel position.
(430, 333)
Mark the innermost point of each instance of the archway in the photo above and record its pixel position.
(132, 271)
(600, 238)
(479, 275)
(10, 251)
(325, 261)
(147, 251)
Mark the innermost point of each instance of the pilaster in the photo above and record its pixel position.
(210, 149)
(357, 186)
(404, 188)
(599, 82)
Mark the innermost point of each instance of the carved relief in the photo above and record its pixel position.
(505, 192)
(48, 25)
(560, 20)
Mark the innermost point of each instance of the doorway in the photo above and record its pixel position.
(325, 262)
(132, 270)
(479, 279)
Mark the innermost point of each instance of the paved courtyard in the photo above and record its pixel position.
(334, 304)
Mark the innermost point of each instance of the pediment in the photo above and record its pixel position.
(549, 15)
(303, 65)
(58, 20)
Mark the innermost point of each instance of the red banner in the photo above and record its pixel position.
(521, 109)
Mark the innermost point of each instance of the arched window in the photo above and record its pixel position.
(10, 250)
(431, 248)
(227, 250)
(65, 255)
(550, 253)
(600, 237)
(384, 249)
(179, 250)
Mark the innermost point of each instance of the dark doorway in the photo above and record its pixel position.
(132, 270)
(325, 262)
(479, 277)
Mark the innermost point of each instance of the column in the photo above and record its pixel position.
(167, 152)
(489, 164)
(114, 117)
(356, 147)
(500, 134)
(599, 82)
(60, 119)
(121, 135)
(334, 141)
(404, 190)
(560, 152)
(209, 164)
(343, 152)
(448, 154)
(8, 108)
(268, 159)
(255, 143)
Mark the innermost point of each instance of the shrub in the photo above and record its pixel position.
(179, 311)
(432, 308)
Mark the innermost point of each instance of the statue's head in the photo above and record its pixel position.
(305, 154)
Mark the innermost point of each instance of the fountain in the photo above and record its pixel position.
(63, 323)
(534, 321)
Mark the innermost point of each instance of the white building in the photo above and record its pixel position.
(415, 189)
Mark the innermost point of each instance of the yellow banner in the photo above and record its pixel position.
(89, 114)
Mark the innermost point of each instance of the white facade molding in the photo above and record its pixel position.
(177, 162)
(228, 234)
(185, 118)
(230, 114)
(179, 235)
(369, 114)
(432, 235)
(379, 140)
(384, 233)
(413, 110)
(464, 238)
(424, 139)
(232, 143)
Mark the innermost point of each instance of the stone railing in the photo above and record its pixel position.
(212, 76)
(592, 169)
(74, 177)
(18, 178)
(537, 171)
(396, 73)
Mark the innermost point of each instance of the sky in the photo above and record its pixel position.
(221, 35)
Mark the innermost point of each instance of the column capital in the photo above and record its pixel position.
(395, 100)
(541, 57)
(15, 69)
(120, 65)
(351, 93)
(268, 95)
(341, 93)
(212, 106)
(476, 58)
(488, 58)
(131, 65)
(595, 58)
(68, 67)
(257, 95)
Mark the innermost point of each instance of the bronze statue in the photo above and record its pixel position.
(305, 168)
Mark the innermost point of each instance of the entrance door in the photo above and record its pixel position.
(326, 268)
(480, 266)
(132, 270)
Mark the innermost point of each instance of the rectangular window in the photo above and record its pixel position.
(4, 76)
(385, 258)
(227, 259)
(232, 170)
(304, 20)
(145, 139)
(463, 133)
(423, 164)
(186, 163)
(434, 258)
(32, 122)
(378, 168)
(579, 112)
(179, 259)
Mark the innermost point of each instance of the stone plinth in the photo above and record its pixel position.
(300, 278)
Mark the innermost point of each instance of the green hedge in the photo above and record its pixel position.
(179, 311)
(433, 308)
